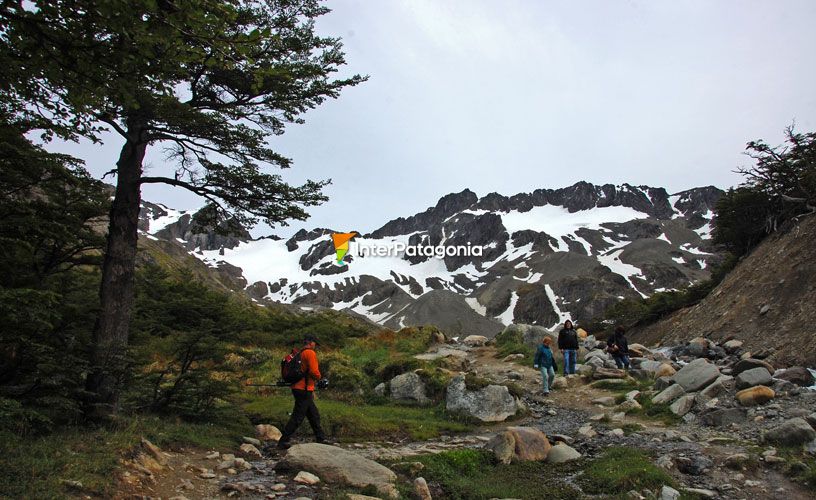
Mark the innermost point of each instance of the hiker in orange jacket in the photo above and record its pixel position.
(303, 392)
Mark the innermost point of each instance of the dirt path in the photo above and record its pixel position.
(190, 474)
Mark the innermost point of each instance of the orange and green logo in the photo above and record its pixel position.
(341, 245)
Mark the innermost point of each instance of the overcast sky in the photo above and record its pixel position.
(510, 96)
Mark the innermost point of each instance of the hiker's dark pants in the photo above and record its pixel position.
(304, 408)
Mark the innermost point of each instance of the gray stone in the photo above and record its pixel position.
(408, 386)
(336, 465)
(748, 363)
(695, 465)
(493, 403)
(753, 377)
(732, 346)
(380, 389)
(683, 405)
(669, 493)
(421, 489)
(793, 432)
(668, 395)
(696, 375)
(724, 416)
(798, 375)
(562, 453)
(662, 383)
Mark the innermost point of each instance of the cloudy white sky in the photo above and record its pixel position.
(511, 96)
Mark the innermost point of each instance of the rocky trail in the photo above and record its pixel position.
(716, 447)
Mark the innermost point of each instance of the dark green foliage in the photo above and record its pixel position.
(620, 470)
(780, 187)
(48, 249)
(511, 342)
(247, 69)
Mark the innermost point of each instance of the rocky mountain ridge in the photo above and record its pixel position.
(547, 255)
(767, 302)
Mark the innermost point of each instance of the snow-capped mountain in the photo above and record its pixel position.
(545, 256)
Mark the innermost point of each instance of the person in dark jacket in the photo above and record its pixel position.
(618, 347)
(568, 345)
(546, 362)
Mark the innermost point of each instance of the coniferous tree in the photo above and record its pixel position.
(211, 80)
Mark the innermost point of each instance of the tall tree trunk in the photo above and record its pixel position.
(116, 292)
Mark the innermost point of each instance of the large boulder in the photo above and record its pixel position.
(696, 375)
(493, 403)
(519, 444)
(531, 335)
(267, 432)
(408, 387)
(669, 394)
(798, 375)
(756, 395)
(794, 432)
(749, 363)
(336, 465)
(752, 377)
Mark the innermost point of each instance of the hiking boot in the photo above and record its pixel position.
(325, 440)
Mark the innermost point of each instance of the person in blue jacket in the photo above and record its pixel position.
(546, 362)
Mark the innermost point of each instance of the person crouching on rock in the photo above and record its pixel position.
(303, 392)
(546, 362)
(568, 344)
(618, 347)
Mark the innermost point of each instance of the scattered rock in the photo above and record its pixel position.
(380, 389)
(604, 401)
(493, 403)
(513, 357)
(794, 432)
(154, 452)
(662, 383)
(304, 477)
(696, 375)
(560, 383)
(700, 492)
(628, 405)
(250, 450)
(336, 465)
(669, 394)
(602, 373)
(693, 466)
(562, 453)
(522, 444)
(252, 441)
(732, 346)
(749, 363)
(798, 375)
(755, 395)
(421, 489)
(587, 431)
(669, 493)
(683, 405)
(753, 377)
(408, 387)
(267, 432)
(665, 370)
(475, 340)
(723, 416)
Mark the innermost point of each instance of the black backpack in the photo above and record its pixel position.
(291, 369)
